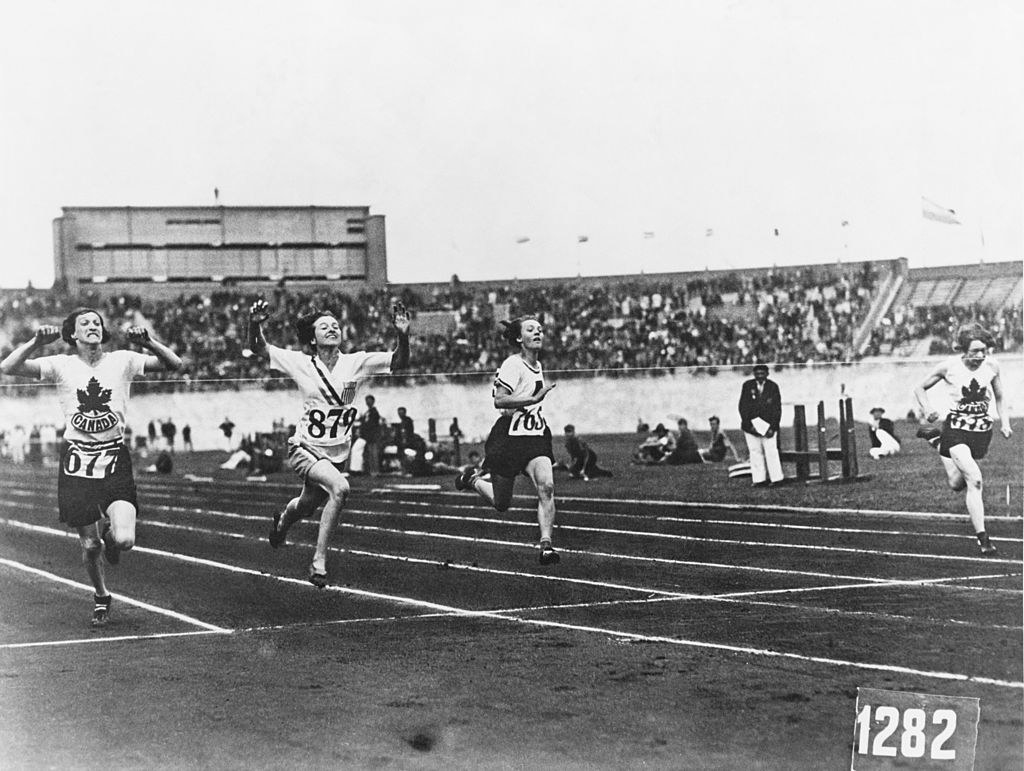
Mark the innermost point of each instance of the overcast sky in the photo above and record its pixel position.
(474, 124)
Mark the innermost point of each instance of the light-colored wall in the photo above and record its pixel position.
(600, 404)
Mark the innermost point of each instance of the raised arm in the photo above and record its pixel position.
(400, 318)
(163, 359)
(259, 312)
(18, 362)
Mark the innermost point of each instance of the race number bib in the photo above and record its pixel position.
(970, 422)
(90, 464)
(331, 427)
(527, 423)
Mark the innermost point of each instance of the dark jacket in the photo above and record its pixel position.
(767, 405)
(369, 428)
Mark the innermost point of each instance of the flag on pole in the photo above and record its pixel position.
(522, 239)
(582, 239)
(937, 213)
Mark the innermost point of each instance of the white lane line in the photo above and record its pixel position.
(724, 541)
(609, 555)
(704, 520)
(463, 612)
(689, 538)
(120, 597)
(732, 597)
(516, 544)
(122, 638)
(396, 495)
(740, 507)
(674, 536)
(782, 605)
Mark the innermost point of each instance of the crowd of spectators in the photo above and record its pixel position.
(906, 325)
(800, 315)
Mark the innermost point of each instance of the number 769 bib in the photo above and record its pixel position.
(527, 422)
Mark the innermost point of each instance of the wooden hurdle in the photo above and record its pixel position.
(803, 456)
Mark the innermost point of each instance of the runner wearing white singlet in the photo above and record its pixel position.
(95, 485)
(329, 381)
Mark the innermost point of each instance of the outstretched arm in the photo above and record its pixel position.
(163, 358)
(18, 362)
(400, 316)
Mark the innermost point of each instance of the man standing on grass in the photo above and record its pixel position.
(760, 414)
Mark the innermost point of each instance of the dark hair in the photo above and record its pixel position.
(569, 428)
(304, 325)
(760, 368)
(972, 331)
(67, 329)
(513, 329)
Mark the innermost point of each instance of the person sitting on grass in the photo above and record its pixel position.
(720, 445)
(582, 459)
(685, 451)
(656, 447)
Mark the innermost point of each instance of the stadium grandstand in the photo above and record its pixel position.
(161, 252)
(803, 314)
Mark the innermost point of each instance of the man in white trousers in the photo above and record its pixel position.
(760, 413)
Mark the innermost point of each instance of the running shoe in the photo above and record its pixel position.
(464, 481)
(317, 578)
(276, 537)
(101, 610)
(548, 555)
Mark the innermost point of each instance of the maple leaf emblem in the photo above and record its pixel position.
(973, 393)
(93, 398)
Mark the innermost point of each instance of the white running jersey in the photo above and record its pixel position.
(970, 394)
(94, 399)
(522, 379)
(328, 413)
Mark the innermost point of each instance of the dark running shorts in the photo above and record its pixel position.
(977, 441)
(508, 456)
(90, 479)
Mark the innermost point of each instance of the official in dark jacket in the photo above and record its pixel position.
(760, 413)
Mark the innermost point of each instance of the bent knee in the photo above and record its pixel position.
(339, 490)
(124, 544)
(546, 490)
(92, 546)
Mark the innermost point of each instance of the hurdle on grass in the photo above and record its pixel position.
(803, 456)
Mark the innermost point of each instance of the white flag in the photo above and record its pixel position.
(933, 211)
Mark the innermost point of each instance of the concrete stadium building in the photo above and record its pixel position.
(164, 251)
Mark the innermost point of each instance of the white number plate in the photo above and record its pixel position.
(897, 729)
